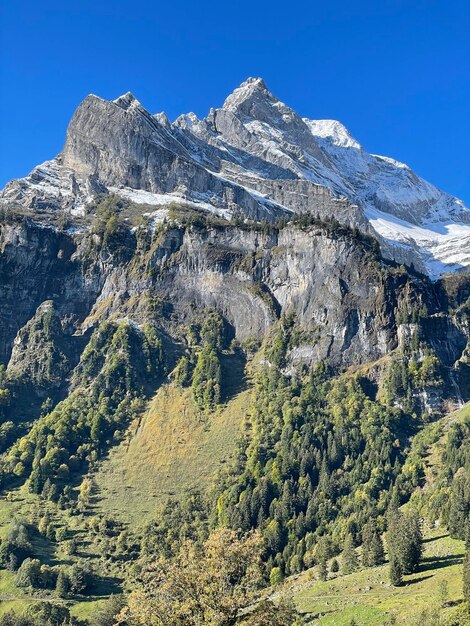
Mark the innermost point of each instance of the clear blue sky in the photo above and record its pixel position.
(396, 73)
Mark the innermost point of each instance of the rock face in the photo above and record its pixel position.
(35, 266)
(57, 286)
(253, 158)
(275, 215)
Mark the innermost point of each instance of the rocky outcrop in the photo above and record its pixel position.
(43, 352)
(37, 264)
(333, 283)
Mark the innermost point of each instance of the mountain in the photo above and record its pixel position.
(230, 349)
(254, 158)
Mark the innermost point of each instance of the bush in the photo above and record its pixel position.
(29, 573)
(276, 576)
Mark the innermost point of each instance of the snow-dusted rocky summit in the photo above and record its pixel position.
(253, 157)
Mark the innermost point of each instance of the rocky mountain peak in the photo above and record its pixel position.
(251, 99)
(126, 100)
(268, 121)
(254, 156)
(246, 90)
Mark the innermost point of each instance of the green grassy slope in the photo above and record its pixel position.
(174, 447)
(22, 506)
(368, 598)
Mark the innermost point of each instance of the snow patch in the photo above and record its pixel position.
(334, 131)
(444, 246)
(139, 196)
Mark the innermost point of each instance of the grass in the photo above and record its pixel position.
(21, 505)
(367, 596)
(87, 608)
(18, 606)
(173, 448)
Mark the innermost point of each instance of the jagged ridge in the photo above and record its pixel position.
(254, 157)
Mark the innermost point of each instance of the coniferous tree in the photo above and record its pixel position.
(372, 546)
(404, 540)
(410, 544)
(322, 569)
(349, 556)
(459, 514)
(13, 562)
(97, 428)
(79, 577)
(334, 565)
(28, 573)
(62, 585)
(35, 481)
(396, 575)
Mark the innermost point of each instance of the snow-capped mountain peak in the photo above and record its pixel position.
(251, 89)
(253, 156)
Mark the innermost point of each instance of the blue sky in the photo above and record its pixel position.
(395, 73)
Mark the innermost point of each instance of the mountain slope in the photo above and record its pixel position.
(366, 595)
(206, 306)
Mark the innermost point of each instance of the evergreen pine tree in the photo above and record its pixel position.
(410, 543)
(334, 565)
(349, 556)
(396, 576)
(28, 573)
(97, 428)
(13, 563)
(322, 570)
(35, 481)
(377, 550)
(372, 546)
(78, 577)
(459, 509)
(62, 585)
(404, 540)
